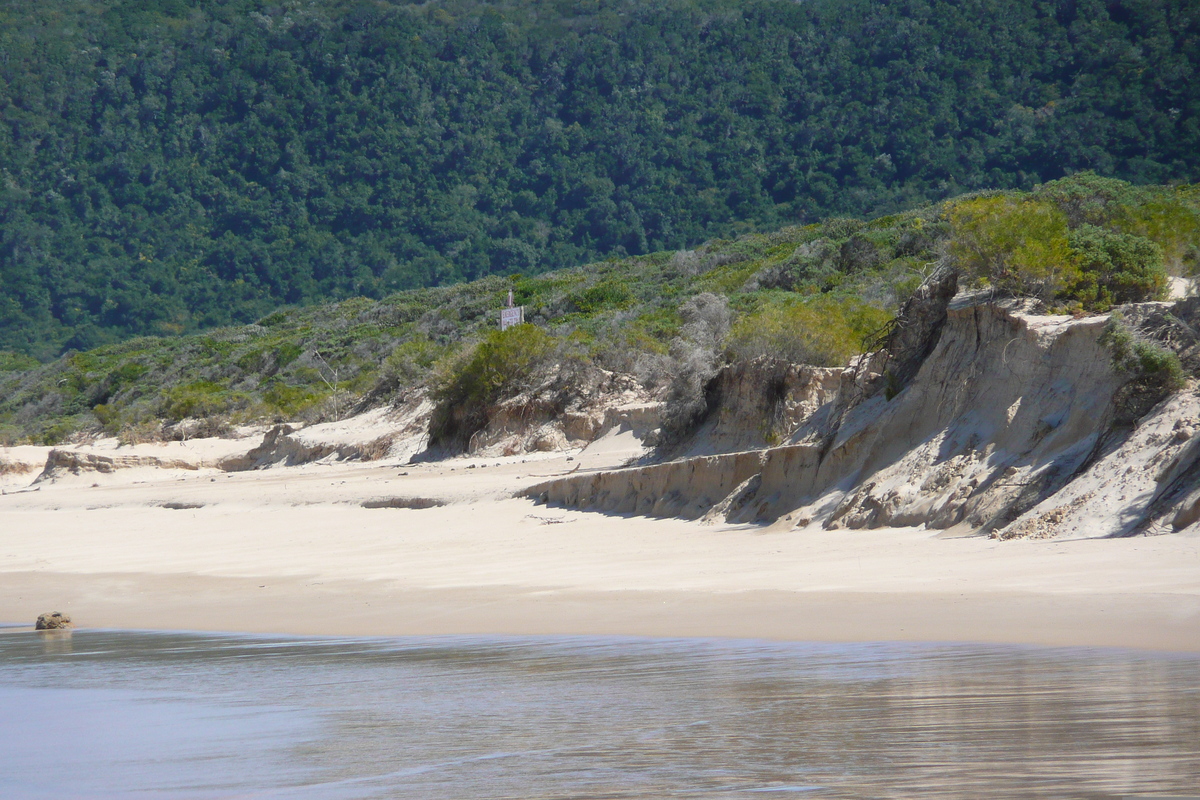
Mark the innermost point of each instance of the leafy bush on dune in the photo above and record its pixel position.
(695, 359)
(822, 331)
(1151, 371)
(501, 364)
(1016, 246)
(1115, 268)
(1083, 243)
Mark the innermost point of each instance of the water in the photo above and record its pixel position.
(147, 715)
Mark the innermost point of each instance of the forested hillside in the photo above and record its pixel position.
(173, 165)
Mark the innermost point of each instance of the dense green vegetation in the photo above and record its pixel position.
(1086, 241)
(822, 331)
(809, 294)
(169, 166)
(499, 366)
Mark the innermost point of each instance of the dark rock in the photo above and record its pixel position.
(52, 620)
(912, 335)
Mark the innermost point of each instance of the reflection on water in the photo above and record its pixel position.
(123, 714)
(56, 642)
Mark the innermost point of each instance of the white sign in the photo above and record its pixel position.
(511, 316)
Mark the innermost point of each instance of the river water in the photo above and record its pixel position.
(178, 715)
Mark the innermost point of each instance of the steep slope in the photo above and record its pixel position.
(1013, 424)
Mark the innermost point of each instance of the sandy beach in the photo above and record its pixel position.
(329, 549)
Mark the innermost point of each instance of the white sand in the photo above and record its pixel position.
(292, 550)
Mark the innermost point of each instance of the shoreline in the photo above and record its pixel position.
(297, 607)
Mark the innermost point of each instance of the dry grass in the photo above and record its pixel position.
(9, 467)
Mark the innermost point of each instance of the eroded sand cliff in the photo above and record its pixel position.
(1011, 424)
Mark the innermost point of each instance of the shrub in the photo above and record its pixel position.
(1171, 219)
(127, 374)
(502, 364)
(1018, 247)
(11, 361)
(288, 401)
(1152, 372)
(601, 297)
(841, 227)
(109, 418)
(705, 319)
(1087, 198)
(197, 399)
(57, 431)
(652, 331)
(1140, 359)
(692, 367)
(686, 262)
(1114, 268)
(1167, 216)
(10, 435)
(860, 253)
(811, 267)
(140, 432)
(693, 363)
(823, 331)
(411, 361)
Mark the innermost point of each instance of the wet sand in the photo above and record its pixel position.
(377, 608)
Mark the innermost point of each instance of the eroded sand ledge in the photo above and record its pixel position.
(294, 551)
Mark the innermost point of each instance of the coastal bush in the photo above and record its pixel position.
(283, 400)
(140, 432)
(1114, 268)
(12, 361)
(691, 368)
(1086, 198)
(1141, 359)
(10, 435)
(652, 331)
(1063, 245)
(1015, 246)
(601, 297)
(694, 362)
(160, 162)
(109, 418)
(197, 399)
(410, 361)
(1168, 216)
(706, 319)
(463, 391)
(823, 331)
(57, 431)
(1151, 371)
(635, 323)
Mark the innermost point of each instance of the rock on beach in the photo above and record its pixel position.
(52, 620)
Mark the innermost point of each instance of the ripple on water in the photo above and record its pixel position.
(135, 714)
